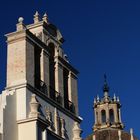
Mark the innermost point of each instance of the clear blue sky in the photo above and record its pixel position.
(101, 37)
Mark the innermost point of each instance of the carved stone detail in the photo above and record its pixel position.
(34, 107)
(77, 132)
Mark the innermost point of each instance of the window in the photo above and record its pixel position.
(65, 82)
(103, 115)
(37, 55)
(52, 70)
(111, 115)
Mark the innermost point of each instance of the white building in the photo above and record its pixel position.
(40, 99)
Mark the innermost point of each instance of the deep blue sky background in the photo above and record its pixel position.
(101, 37)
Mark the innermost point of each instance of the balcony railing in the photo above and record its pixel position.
(70, 106)
(55, 95)
(50, 92)
(43, 88)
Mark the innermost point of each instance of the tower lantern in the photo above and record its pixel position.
(108, 124)
(107, 111)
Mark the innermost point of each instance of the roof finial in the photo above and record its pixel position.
(105, 88)
(95, 100)
(115, 98)
(131, 133)
(36, 17)
(21, 19)
(20, 25)
(118, 99)
(98, 98)
(45, 18)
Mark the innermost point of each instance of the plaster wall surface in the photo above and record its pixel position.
(16, 66)
(27, 131)
(30, 63)
(9, 117)
(23, 101)
(37, 31)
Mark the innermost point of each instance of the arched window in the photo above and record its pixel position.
(103, 114)
(111, 115)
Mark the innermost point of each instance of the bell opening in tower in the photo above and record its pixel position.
(52, 71)
(111, 115)
(37, 55)
(65, 80)
(103, 113)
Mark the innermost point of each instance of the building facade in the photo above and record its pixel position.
(40, 100)
(108, 123)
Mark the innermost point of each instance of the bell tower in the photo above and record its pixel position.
(107, 113)
(40, 100)
(107, 110)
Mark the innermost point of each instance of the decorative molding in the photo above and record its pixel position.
(53, 103)
(63, 131)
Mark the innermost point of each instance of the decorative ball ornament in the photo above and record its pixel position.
(21, 19)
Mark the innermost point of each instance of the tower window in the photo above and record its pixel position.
(111, 115)
(103, 115)
(37, 55)
(65, 80)
(52, 71)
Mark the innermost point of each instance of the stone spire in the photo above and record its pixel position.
(45, 18)
(98, 99)
(115, 98)
(131, 133)
(105, 87)
(36, 17)
(62, 121)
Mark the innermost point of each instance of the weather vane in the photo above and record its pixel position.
(105, 88)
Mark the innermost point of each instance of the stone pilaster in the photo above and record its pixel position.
(56, 122)
(73, 91)
(36, 17)
(116, 115)
(62, 127)
(120, 134)
(120, 119)
(96, 116)
(107, 113)
(44, 61)
(59, 87)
